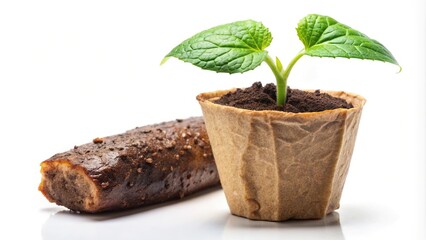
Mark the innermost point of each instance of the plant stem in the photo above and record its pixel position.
(282, 76)
(281, 82)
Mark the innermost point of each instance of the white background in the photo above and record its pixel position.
(71, 71)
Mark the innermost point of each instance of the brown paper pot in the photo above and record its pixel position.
(275, 165)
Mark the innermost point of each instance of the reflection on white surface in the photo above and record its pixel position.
(180, 219)
(205, 216)
(64, 225)
(326, 228)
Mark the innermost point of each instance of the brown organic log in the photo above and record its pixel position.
(146, 165)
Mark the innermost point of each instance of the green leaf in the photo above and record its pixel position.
(325, 37)
(279, 64)
(231, 48)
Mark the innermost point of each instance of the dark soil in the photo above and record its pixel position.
(258, 97)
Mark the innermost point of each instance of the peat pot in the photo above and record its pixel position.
(276, 165)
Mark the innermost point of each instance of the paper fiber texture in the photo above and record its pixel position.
(276, 165)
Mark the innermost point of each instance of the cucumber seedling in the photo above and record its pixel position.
(240, 46)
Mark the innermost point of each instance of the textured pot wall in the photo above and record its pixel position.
(277, 166)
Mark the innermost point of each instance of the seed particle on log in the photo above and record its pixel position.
(98, 140)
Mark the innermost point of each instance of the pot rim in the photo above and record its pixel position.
(356, 100)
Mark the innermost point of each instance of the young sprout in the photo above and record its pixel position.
(240, 46)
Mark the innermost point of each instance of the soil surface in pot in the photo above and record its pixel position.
(258, 97)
